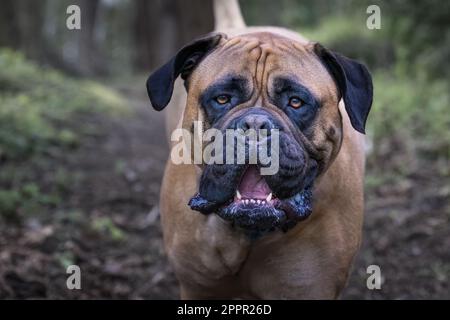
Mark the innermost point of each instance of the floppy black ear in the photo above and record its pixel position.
(160, 83)
(354, 83)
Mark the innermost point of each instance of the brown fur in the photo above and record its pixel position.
(312, 260)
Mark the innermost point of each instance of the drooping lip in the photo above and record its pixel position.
(255, 208)
(257, 217)
(251, 190)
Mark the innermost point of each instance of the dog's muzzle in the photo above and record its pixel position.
(253, 202)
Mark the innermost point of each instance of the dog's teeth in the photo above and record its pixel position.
(238, 195)
(269, 197)
(263, 201)
(246, 201)
(258, 201)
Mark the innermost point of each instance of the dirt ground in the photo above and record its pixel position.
(109, 226)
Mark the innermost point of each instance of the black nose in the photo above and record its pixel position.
(256, 122)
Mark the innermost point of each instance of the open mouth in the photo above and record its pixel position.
(255, 208)
(256, 203)
(253, 189)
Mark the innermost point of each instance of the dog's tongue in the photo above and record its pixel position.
(253, 185)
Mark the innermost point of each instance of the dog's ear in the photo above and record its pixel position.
(160, 83)
(354, 83)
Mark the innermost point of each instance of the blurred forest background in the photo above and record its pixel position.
(82, 153)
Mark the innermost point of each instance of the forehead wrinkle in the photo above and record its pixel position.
(233, 49)
(260, 71)
(254, 50)
(238, 45)
(247, 47)
(284, 46)
(251, 45)
(231, 42)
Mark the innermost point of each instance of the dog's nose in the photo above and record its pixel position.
(256, 122)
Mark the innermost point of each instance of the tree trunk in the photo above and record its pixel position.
(9, 25)
(161, 27)
(21, 26)
(90, 60)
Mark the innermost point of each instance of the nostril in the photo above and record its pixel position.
(256, 122)
(246, 125)
(267, 125)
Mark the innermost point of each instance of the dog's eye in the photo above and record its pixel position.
(222, 99)
(295, 102)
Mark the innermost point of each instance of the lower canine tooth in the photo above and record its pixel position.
(238, 195)
(269, 197)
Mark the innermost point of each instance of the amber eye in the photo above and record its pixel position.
(223, 99)
(295, 102)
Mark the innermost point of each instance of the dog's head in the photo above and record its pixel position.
(265, 81)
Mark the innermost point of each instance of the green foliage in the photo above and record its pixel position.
(421, 32)
(66, 259)
(416, 110)
(27, 199)
(106, 225)
(38, 107)
(341, 34)
(34, 101)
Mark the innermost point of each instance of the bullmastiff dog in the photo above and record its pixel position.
(230, 232)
